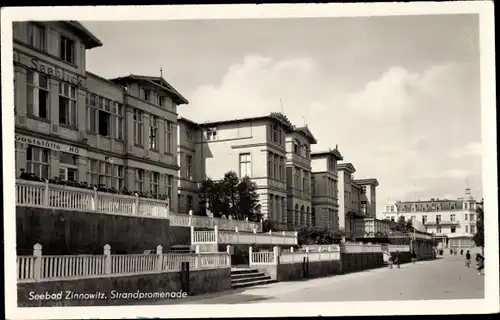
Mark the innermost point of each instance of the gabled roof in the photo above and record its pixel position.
(307, 133)
(156, 81)
(331, 152)
(365, 182)
(89, 40)
(346, 166)
(194, 124)
(273, 116)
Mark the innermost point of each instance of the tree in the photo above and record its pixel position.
(316, 235)
(479, 236)
(231, 196)
(403, 225)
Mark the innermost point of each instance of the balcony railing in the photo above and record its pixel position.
(444, 222)
(236, 237)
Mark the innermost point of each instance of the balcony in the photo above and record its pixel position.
(441, 223)
(294, 192)
(296, 159)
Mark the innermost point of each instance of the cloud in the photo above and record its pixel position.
(400, 127)
(470, 149)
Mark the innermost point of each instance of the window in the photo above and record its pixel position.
(280, 168)
(413, 208)
(118, 177)
(67, 158)
(438, 218)
(211, 134)
(438, 230)
(105, 173)
(189, 134)
(104, 117)
(154, 178)
(67, 104)
(245, 165)
(93, 172)
(189, 202)
(466, 229)
(296, 178)
(189, 167)
(37, 161)
(452, 217)
(269, 165)
(91, 112)
(424, 219)
(276, 160)
(37, 36)
(363, 190)
(138, 127)
(147, 94)
(159, 100)
(471, 217)
(296, 147)
(169, 137)
(465, 205)
(67, 47)
(117, 116)
(392, 219)
(466, 216)
(37, 94)
(473, 229)
(453, 229)
(153, 133)
(139, 180)
(274, 133)
(169, 183)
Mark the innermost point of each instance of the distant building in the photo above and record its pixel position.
(453, 221)
(324, 185)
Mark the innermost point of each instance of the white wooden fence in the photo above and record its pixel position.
(291, 256)
(237, 237)
(43, 194)
(360, 248)
(46, 195)
(42, 268)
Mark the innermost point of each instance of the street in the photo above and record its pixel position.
(444, 278)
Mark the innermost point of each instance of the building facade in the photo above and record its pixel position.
(368, 196)
(74, 125)
(253, 147)
(298, 176)
(324, 185)
(452, 221)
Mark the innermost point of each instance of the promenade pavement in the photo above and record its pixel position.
(444, 278)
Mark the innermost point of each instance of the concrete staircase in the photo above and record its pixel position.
(246, 277)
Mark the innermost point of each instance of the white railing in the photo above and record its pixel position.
(190, 220)
(320, 247)
(360, 248)
(398, 247)
(46, 195)
(236, 237)
(261, 258)
(297, 257)
(43, 268)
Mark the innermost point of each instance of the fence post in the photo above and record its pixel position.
(276, 254)
(136, 204)
(107, 259)
(216, 232)
(250, 255)
(190, 217)
(237, 235)
(291, 249)
(296, 237)
(192, 235)
(95, 198)
(37, 267)
(159, 257)
(46, 193)
(229, 251)
(254, 235)
(270, 237)
(197, 259)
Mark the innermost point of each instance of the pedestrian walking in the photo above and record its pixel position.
(451, 251)
(413, 257)
(398, 260)
(390, 262)
(480, 263)
(467, 259)
(462, 252)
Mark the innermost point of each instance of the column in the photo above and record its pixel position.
(54, 105)
(53, 164)
(82, 169)
(284, 216)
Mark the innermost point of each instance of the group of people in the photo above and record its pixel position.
(479, 261)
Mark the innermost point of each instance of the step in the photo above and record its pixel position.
(244, 271)
(246, 275)
(253, 283)
(250, 279)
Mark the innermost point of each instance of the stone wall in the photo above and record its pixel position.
(361, 261)
(106, 289)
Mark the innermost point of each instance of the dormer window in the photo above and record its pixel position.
(67, 49)
(159, 100)
(296, 147)
(274, 133)
(212, 134)
(37, 36)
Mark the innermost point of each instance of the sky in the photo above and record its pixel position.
(399, 95)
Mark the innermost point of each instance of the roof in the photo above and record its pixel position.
(274, 116)
(333, 152)
(85, 35)
(307, 133)
(181, 119)
(346, 166)
(364, 182)
(156, 81)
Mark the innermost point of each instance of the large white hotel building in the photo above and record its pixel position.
(451, 220)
